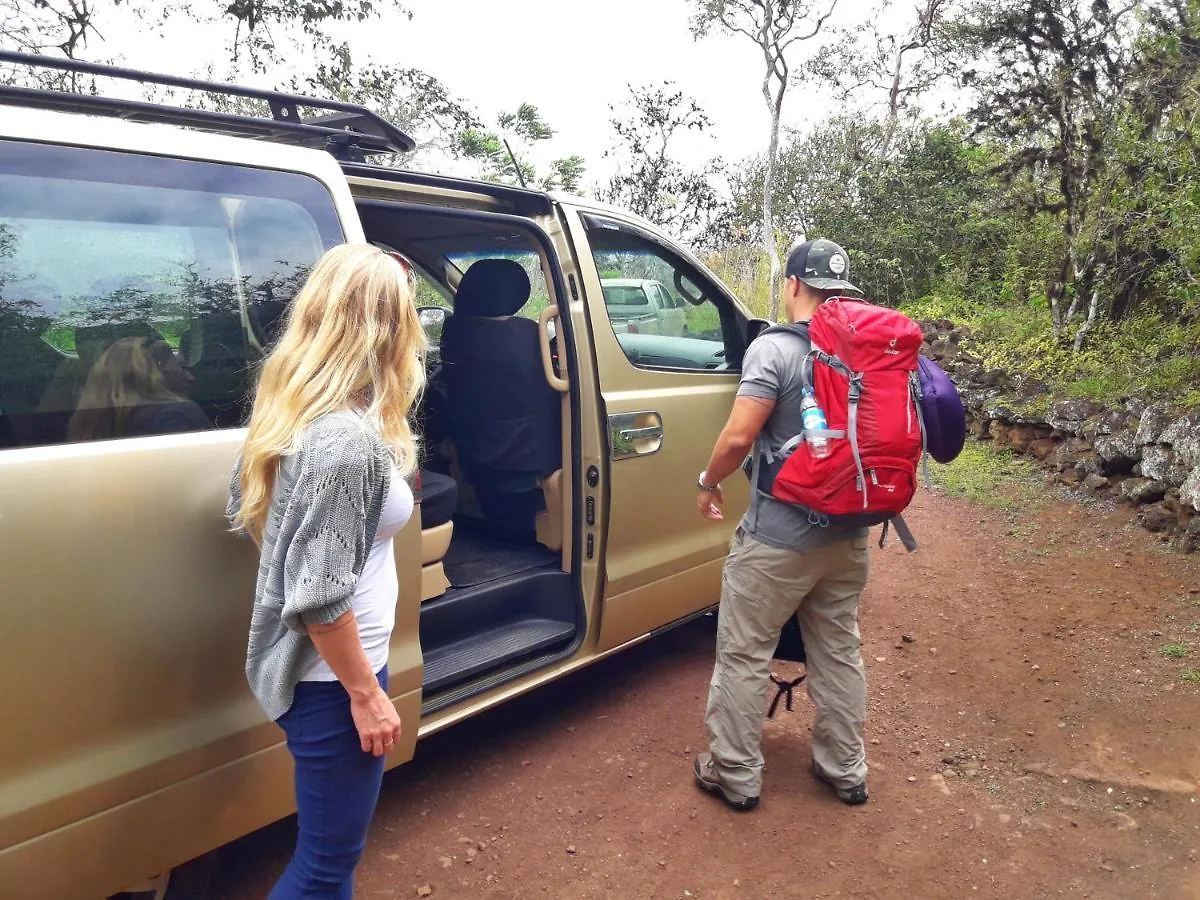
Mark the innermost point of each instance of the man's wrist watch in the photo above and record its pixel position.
(710, 489)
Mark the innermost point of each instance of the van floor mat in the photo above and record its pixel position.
(475, 559)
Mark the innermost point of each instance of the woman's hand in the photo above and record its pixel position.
(377, 721)
(375, 717)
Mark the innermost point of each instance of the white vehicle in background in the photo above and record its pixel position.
(643, 306)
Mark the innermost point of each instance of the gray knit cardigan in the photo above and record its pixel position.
(324, 513)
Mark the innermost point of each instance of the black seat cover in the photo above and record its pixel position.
(502, 414)
(439, 498)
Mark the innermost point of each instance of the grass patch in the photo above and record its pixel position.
(989, 476)
(1174, 651)
(1190, 676)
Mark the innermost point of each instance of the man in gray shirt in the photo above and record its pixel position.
(780, 565)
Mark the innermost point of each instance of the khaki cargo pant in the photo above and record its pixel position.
(763, 586)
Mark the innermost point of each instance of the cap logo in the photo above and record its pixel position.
(837, 264)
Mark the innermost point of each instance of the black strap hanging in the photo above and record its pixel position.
(784, 693)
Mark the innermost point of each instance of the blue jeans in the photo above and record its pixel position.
(337, 786)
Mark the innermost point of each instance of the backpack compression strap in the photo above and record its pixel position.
(856, 390)
(902, 531)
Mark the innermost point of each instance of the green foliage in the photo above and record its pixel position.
(921, 219)
(566, 173)
(503, 155)
(1190, 676)
(1174, 651)
(649, 181)
(1147, 355)
(989, 476)
(408, 98)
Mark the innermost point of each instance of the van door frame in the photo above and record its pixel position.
(568, 358)
(631, 613)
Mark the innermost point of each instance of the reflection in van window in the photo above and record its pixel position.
(138, 294)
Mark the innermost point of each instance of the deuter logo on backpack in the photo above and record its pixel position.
(855, 464)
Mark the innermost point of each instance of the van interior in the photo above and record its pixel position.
(498, 595)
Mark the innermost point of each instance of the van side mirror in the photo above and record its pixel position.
(754, 328)
(433, 319)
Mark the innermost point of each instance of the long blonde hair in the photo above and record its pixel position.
(127, 375)
(352, 341)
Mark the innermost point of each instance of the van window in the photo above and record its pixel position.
(137, 294)
(693, 327)
(529, 260)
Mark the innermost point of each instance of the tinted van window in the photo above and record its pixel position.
(137, 294)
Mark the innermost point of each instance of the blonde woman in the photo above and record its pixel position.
(320, 486)
(138, 386)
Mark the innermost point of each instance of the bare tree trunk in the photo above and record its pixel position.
(1082, 277)
(893, 113)
(770, 247)
(1058, 287)
(1093, 311)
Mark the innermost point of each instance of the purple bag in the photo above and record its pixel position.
(942, 409)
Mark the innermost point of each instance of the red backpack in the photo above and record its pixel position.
(862, 366)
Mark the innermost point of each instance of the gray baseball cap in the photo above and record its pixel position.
(822, 265)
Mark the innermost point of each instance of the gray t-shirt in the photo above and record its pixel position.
(771, 371)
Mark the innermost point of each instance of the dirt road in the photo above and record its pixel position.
(1031, 741)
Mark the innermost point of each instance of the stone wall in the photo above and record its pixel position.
(1143, 454)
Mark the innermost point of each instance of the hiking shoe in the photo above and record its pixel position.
(855, 796)
(707, 779)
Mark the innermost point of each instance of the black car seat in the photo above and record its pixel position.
(502, 414)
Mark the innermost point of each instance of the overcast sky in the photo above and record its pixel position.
(571, 58)
(575, 59)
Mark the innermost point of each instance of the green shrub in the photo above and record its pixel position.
(1144, 355)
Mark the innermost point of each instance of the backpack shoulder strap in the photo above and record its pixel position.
(799, 329)
(761, 448)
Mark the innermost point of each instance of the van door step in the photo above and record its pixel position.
(476, 654)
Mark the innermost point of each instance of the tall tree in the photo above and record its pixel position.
(1051, 89)
(650, 181)
(885, 71)
(410, 99)
(1158, 155)
(775, 26)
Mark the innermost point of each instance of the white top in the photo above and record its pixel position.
(378, 588)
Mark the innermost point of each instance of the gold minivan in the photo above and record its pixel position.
(144, 268)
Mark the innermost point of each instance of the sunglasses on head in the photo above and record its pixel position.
(407, 266)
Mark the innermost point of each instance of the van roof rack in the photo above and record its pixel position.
(348, 131)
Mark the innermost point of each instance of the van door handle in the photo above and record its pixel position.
(550, 313)
(641, 434)
(635, 434)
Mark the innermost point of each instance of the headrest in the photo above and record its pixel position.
(92, 340)
(492, 288)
